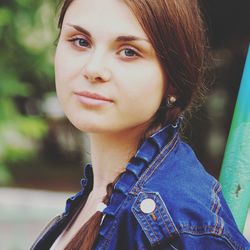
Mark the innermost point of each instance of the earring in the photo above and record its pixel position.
(171, 101)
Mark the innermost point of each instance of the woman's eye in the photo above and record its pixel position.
(128, 53)
(80, 42)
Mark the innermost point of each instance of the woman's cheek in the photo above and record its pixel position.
(137, 107)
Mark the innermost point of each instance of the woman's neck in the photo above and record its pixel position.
(110, 154)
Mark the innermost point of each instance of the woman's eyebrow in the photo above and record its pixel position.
(80, 29)
(128, 38)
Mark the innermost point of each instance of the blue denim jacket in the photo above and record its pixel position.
(164, 200)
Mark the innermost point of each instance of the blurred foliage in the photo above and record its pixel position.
(27, 32)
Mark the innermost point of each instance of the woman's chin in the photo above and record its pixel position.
(92, 128)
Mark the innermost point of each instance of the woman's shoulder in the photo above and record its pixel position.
(187, 201)
(182, 181)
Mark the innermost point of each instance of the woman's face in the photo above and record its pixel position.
(108, 78)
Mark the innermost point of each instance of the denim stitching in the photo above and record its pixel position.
(196, 227)
(168, 216)
(139, 200)
(218, 220)
(152, 230)
(213, 235)
(216, 185)
(136, 189)
(153, 169)
(214, 200)
(147, 233)
(232, 242)
(138, 218)
(220, 229)
(163, 211)
(215, 208)
(190, 231)
(144, 176)
(193, 230)
(165, 223)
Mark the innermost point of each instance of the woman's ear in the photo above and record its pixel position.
(170, 96)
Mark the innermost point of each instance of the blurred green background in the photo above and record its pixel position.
(35, 139)
(40, 149)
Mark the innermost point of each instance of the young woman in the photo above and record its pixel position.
(127, 71)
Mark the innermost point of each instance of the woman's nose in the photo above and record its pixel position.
(95, 70)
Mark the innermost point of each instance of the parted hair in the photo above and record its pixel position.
(176, 31)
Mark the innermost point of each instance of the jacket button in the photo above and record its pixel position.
(147, 206)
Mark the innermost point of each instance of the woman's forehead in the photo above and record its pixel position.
(110, 17)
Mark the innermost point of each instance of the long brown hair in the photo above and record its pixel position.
(86, 236)
(175, 29)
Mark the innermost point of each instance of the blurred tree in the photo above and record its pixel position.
(26, 74)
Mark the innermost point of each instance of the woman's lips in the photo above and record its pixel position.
(92, 99)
